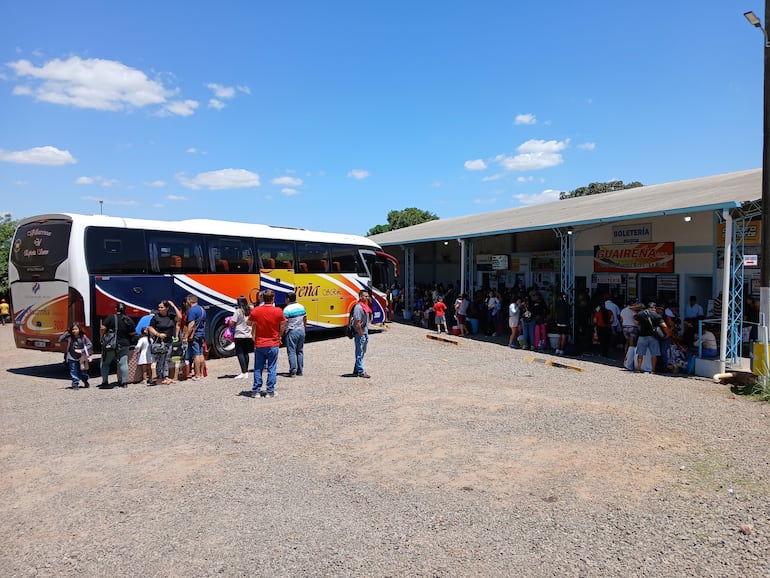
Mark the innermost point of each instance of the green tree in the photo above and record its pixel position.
(404, 218)
(599, 188)
(7, 228)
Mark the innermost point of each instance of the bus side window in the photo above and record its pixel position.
(222, 265)
(268, 263)
(170, 262)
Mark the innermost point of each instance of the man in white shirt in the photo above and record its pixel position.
(693, 309)
(616, 326)
(630, 329)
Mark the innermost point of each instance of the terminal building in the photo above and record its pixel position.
(661, 242)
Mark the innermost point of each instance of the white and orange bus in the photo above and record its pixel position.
(68, 267)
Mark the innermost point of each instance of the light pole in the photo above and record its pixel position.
(764, 281)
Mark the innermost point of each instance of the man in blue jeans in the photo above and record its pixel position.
(296, 321)
(269, 324)
(362, 311)
(194, 334)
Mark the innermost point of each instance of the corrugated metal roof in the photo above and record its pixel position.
(693, 195)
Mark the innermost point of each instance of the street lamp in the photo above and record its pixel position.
(764, 273)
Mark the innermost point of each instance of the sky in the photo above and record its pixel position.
(329, 115)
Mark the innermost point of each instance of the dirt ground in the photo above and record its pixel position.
(470, 419)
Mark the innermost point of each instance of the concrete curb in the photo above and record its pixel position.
(553, 363)
(444, 339)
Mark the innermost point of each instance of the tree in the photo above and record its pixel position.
(400, 219)
(599, 188)
(7, 228)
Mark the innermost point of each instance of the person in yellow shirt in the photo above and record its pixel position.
(5, 311)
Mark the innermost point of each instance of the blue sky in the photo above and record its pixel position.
(328, 115)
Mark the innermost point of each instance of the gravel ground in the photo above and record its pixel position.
(467, 459)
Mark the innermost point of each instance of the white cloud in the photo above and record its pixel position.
(358, 174)
(221, 91)
(155, 184)
(475, 165)
(525, 119)
(217, 104)
(587, 146)
(243, 89)
(47, 155)
(496, 177)
(181, 107)
(96, 181)
(220, 180)
(288, 181)
(89, 83)
(489, 201)
(176, 198)
(289, 192)
(525, 179)
(546, 196)
(534, 155)
(192, 150)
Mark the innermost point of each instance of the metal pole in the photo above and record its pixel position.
(764, 285)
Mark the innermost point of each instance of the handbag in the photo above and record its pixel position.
(158, 348)
(110, 338)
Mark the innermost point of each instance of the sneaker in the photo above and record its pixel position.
(292, 374)
(85, 385)
(73, 386)
(251, 394)
(299, 373)
(270, 394)
(364, 375)
(152, 382)
(240, 376)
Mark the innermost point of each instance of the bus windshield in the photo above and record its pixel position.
(39, 248)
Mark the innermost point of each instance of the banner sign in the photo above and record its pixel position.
(632, 233)
(751, 234)
(499, 262)
(636, 257)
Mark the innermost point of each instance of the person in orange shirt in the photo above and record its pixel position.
(269, 325)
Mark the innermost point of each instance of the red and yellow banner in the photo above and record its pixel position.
(634, 258)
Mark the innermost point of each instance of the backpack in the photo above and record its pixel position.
(350, 330)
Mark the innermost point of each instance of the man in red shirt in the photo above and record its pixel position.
(269, 324)
(440, 308)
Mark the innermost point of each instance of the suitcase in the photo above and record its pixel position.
(134, 371)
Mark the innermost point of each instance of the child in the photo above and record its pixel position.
(440, 308)
(144, 357)
(78, 355)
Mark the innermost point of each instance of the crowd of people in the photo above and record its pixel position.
(534, 319)
(171, 332)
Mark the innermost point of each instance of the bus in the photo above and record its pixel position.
(68, 267)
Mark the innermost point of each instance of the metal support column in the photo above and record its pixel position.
(409, 279)
(469, 272)
(567, 270)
